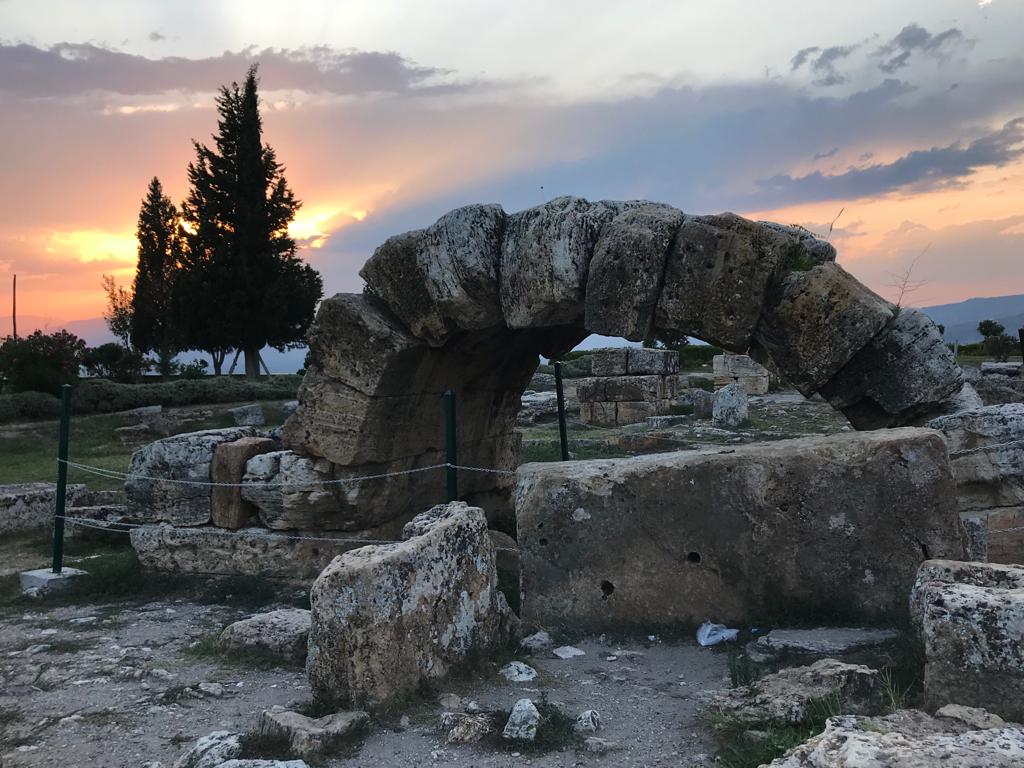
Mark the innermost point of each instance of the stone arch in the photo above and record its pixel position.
(471, 301)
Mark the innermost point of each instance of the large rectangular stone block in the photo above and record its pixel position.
(627, 388)
(971, 620)
(247, 552)
(815, 321)
(169, 479)
(229, 509)
(671, 540)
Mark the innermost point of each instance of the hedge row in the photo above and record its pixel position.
(104, 396)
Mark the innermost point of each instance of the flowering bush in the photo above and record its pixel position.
(40, 362)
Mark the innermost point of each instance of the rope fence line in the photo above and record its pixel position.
(112, 474)
(127, 527)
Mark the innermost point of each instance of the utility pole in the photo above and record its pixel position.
(14, 309)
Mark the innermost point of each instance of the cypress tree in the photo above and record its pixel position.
(152, 319)
(243, 286)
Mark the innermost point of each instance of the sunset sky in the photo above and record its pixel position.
(906, 117)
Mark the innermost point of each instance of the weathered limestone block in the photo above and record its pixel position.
(904, 372)
(907, 739)
(816, 249)
(307, 737)
(835, 642)
(613, 389)
(600, 414)
(30, 506)
(815, 321)
(611, 361)
(637, 412)
(246, 552)
(716, 278)
(731, 407)
(674, 538)
(1000, 369)
(789, 695)
(971, 619)
(742, 370)
(290, 493)
(545, 257)
(229, 509)
(445, 277)
(625, 273)
(386, 618)
(186, 457)
(642, 361)
(282, 633)
(986, 451)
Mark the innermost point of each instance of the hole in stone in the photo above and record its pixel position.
(784, 507)
(542, 542)
(693, 557)
(539, 526)
(606, 589)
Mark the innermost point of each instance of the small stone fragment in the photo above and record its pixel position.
(522, 722)
(517, 672)
(568, 652)
(211, 750)
(588, 721)
(281, 633)
(731, 407)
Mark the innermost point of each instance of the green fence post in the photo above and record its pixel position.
(563, 438)
(62, 478)
(450, 445)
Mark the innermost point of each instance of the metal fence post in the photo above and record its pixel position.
(62, 478)
(1020, 335)
(563, 439)
(450, 445)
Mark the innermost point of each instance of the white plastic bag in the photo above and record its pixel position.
(713, 634)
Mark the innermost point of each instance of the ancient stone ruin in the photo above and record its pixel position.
(629, 386)
(740, 369)
(468, 304)
(875, 523)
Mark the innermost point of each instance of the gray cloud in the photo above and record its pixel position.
(921, 169)
(823, 155)
(913, 38)
(156, 36)
(822, 62)
(69, 69)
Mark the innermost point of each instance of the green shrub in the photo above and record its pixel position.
(695, 355)
(28, 405)
(194, 370)
(101, 396)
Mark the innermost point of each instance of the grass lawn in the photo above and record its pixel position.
(28, 452)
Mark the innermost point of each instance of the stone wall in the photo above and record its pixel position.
(811, 525)
(30, 506)
(740, 369)
(628, 386)
(986, 449)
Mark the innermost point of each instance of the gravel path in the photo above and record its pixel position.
(113, 685)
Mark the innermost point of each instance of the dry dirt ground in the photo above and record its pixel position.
(135, 682)
(116, 684)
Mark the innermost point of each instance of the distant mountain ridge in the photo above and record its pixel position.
(961, 319)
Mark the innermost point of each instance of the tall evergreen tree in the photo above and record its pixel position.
(243, 286)
(159, 235)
